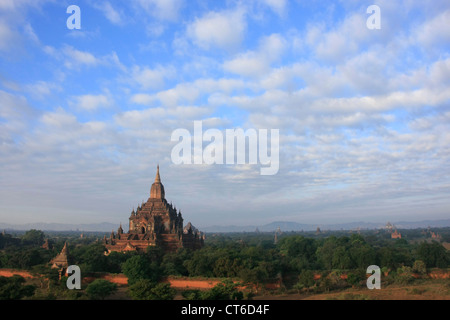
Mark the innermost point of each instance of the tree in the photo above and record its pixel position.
(420, 267)
(201, 263)
(357, 278)
(99, 289)
(325, 253)
(305, 280)
(394, 257)
(225, 290)
(404, 275)
(342, 259)
(300, 250)
(91, 258)
(13, 288)
(433, 255)
(146, 289)
(139, 268)
(33, 237)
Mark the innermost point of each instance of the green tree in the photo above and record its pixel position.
(146, 289)
(201, 263)
(13, 288)
(305, 280)
(139, 268)
(33, 237)
(325, 253)
(225, 290)
(99, 289)
(420, 267)
(192, 294)
(433, 255)
(404, 275)
(394, 257)
(91, 258)
(356, 278)
(300, 250)
(342, 259)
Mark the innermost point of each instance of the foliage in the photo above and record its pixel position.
(225, 290)
(90, 258)
(433, 255)
(146, 289)
(13, 288)
(33, 237)
(419, 267)
(192, 294)
(404, 275)
(305, 280)
(139, 267)
(250, 257)
(99, 289)
(357, 278)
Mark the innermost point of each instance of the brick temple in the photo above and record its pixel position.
(155, 223)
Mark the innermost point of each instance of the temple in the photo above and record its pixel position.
(61, 261)
(155, 223)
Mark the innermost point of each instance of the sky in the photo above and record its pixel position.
(87, 114)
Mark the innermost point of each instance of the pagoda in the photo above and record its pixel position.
(155, 223)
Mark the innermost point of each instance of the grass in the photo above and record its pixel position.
(350, 296)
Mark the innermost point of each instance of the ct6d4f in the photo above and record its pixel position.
(246, 309)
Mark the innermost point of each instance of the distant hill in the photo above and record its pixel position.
(295, 226)
(270, 227)
(102, 227)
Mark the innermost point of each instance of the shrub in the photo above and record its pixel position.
(404, 275)
(419, 267)
(99, 289)
(14, 289)
(357, 278)
(225, 290)
(146, 289)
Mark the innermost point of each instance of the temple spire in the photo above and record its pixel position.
(157, 189)
(157, 178)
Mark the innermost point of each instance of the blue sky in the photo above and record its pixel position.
(86, 115)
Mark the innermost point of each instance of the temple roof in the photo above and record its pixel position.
(157, 189)
(61, 260)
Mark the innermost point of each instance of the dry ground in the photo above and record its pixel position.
(423, 290)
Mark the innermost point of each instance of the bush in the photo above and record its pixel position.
(357, 278)
(305, 280)
(100, 289)
(225, 290)
(419, 267)
(146, 289)
(404, 275)
(192, 294)
(13, 288)
(140, 268)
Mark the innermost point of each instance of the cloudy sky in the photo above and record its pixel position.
(86, 115)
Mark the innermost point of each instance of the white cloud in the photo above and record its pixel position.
(7, 36)
(13, 106)
(435, 31)
(60, 118)
(162, 9)
(28, 30)
(278, 6)
(110, 12)
(257, 63)
(224, 30)
(75, 57)
(42, 89)
(148, 78)
(90, 102)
